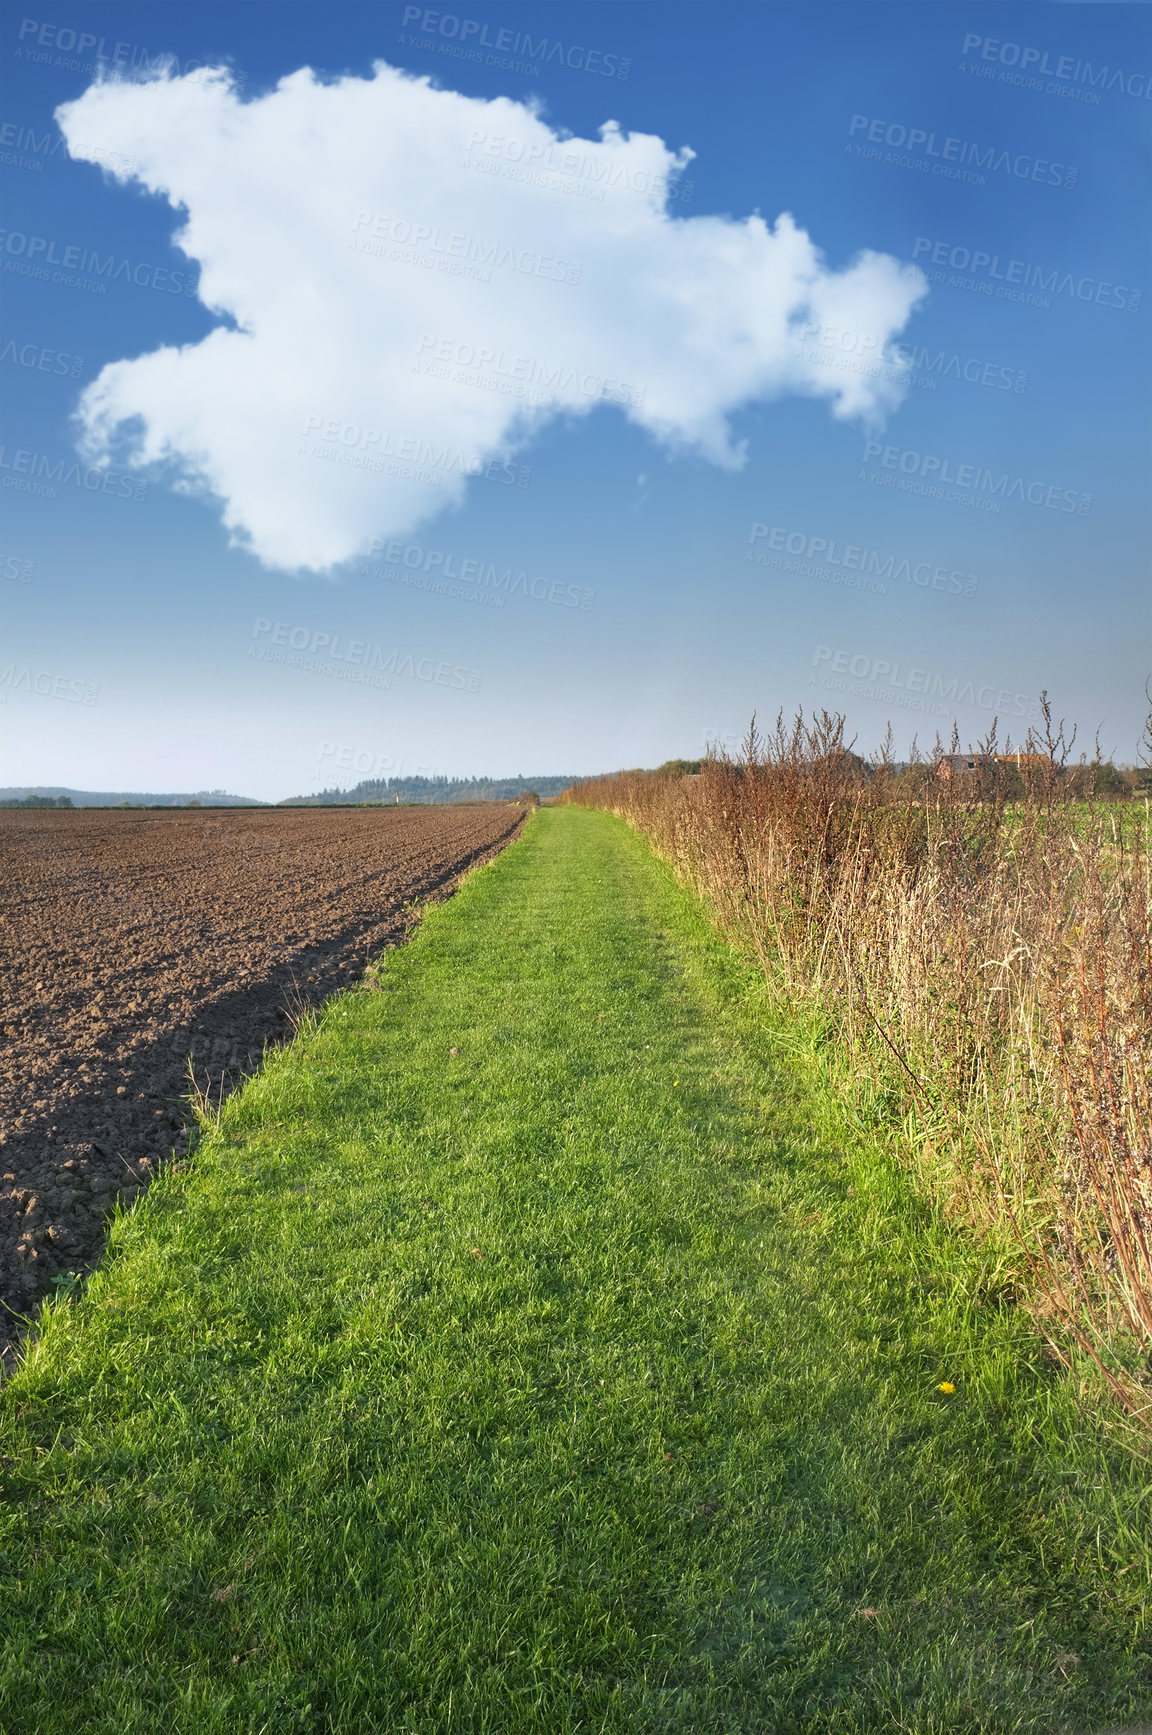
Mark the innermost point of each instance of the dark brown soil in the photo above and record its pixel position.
(131, 941)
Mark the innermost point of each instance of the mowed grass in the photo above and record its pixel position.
(585, 1379)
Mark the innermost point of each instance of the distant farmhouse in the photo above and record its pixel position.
(961, 764)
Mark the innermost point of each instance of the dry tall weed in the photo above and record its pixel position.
(978, 929)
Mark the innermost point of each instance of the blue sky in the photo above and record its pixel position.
(203, 590)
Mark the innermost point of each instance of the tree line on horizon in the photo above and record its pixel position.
(434, 791)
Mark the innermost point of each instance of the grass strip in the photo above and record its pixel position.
(532, 1348)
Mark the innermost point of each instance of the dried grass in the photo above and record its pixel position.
(980, 941)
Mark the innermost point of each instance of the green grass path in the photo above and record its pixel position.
(584, 1379)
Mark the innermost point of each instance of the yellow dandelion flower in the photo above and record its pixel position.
(945, 1386)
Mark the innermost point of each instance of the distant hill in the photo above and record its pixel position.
(115, 797)
(435, 791)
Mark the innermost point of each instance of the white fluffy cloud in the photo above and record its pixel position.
(416, 280)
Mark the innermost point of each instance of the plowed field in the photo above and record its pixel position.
(131, 941)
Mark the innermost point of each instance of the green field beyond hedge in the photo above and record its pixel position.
(536, 1347)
